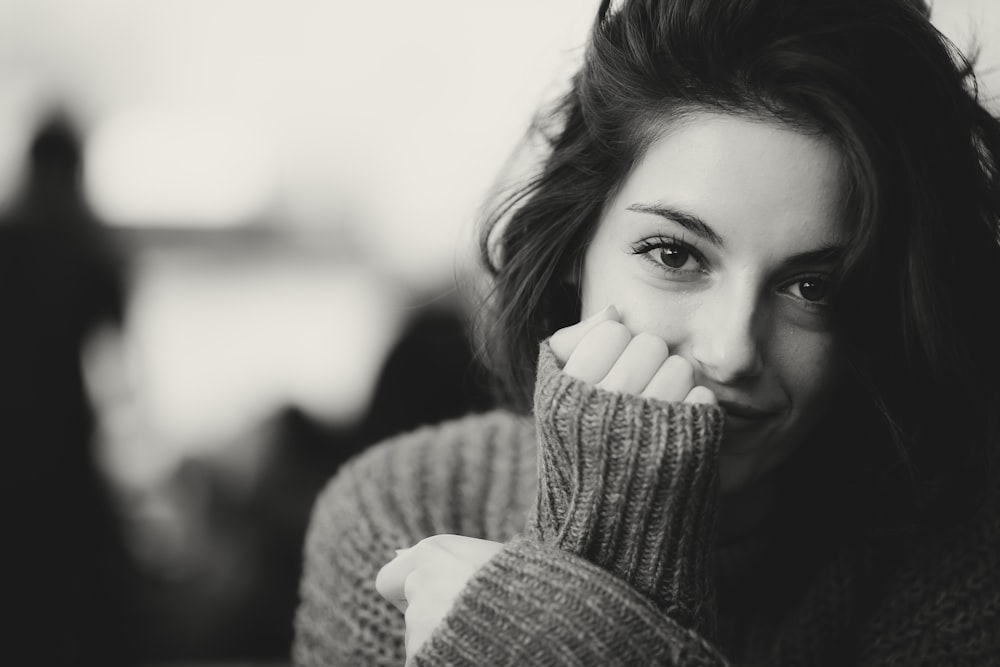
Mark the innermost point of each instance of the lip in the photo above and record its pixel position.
(746, 413)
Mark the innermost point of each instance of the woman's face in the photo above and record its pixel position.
(722, 242)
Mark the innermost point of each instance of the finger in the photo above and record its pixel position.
(672, 381)
(415, 581)
(702, 395)
(433, 596)
(419, 628)
(636, 366)
(565, 340)
(469, 549)
(415, 635)
(442, 554)
(598, 351)
(391, 579)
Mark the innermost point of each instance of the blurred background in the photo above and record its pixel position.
(230, 237)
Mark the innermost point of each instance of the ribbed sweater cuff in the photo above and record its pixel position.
(534, 604)
(629, 484)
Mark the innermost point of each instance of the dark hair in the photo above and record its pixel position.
(921, 156)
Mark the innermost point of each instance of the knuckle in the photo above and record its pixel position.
(433, 546)
(651, 344)
(680, 367)
(446, 540)
(412, 585)
(428, 541)
(702, 395)
(382, 580)
(562, 332)
(435, 552)
(612, 332)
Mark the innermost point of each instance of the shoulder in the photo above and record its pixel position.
(463, 476)
(942, 600)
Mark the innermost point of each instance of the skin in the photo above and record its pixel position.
(739, 314)
(730, 312)
(424, 580)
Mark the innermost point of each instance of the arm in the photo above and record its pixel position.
(614, 567)
(340, 620)
(473, 476)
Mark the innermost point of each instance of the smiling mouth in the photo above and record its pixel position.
(745, 413)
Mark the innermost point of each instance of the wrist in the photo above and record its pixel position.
(630, 484)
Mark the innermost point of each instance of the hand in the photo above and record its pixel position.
(424, 581)
(602, 351)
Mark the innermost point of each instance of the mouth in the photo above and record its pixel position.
(742, 415)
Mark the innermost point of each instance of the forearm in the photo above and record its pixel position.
(615, 563)
(534, 604)
(630, 485)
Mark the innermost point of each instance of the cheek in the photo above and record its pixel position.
(593, 297)
(644, 308)
(660, 313)
(809, 366)
(613, 276)
(601, 284)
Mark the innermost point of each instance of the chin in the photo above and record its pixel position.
(734, 477)
(744, 463)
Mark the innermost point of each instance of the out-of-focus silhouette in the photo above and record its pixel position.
(238, 600)
(68, 578)
(229, 592)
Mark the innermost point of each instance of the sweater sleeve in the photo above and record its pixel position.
(472, 476)
(614, 566)
(341, 620)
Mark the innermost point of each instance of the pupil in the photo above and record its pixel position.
(674, 257)
(812, 290)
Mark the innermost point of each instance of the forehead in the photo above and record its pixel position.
(752, 181)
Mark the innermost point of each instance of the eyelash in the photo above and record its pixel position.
(815, 306)
(646, 247)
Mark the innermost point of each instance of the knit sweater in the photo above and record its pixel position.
(605, 504)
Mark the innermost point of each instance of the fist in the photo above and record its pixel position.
(424, 581)
(602, 351)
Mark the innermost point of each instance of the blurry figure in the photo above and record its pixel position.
(68, 575)
(246, 507)
(430, 375)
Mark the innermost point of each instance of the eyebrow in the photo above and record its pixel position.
(688, 221)
(825, 254)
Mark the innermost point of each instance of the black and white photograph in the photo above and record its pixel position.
(500, 333)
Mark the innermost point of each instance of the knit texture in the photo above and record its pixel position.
(629, 485)
(606, 507)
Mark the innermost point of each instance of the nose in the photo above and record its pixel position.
(726, 337)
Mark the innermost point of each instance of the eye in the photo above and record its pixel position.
(811, 289)
(674, 256)
(670, 254)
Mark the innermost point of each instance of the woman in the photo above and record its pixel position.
(743, 313)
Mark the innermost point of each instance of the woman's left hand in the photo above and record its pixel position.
(424, 581)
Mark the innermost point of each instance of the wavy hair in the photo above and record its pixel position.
(919, 285)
